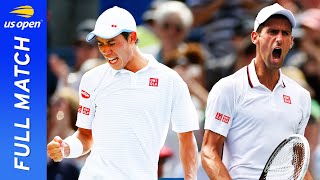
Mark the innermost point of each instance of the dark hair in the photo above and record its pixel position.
(126, 36)
(261, 26)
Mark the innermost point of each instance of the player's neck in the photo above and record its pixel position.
(137, 62)
(268, 77)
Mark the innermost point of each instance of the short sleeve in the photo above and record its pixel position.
(184, 116)
(220, 107)
(86, 108)
(306, 109)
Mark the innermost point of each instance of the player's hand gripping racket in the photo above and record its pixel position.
(289, 160)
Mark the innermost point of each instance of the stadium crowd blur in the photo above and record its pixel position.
(203, 40)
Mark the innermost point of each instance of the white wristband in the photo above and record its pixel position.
(75, 146)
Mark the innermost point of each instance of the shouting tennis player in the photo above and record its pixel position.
(125, 109)
(251, 111)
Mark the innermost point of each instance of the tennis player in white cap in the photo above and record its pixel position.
(251, 111)
(126, 106)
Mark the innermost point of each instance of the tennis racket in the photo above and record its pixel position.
(289, 160)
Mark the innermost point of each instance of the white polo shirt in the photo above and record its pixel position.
(254, 119)
(129, 114)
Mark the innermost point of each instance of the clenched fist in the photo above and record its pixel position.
(58, 149)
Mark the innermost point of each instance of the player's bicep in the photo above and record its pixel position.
(212, 143)
(306, 109)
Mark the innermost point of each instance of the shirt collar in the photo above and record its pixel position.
(152, 62)
(253, 78)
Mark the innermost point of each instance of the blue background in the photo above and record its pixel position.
(37, 85)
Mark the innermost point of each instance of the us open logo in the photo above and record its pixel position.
(26, 12)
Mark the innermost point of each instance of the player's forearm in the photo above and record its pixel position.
(80, 142)
(189, 160)
(85, 136)
(189, 155)
(213, 165)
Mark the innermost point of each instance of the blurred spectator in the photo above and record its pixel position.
(245, 53)
(62, 114)
(189, 63)
(148, 41)
(62, 20)
(65, 16)
(84, 50)
(315, 161)
(165, 154)
(136, 10)
(307, 4)
(74, 77)
(215, 22)
(310, 44)
(312, 130)
(312, 134)
(297, 75)
(293, 5)
(86, 56)
(172, 22)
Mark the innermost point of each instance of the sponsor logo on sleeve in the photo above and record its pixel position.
(83, 110)
(86, 111)
(222, 117)
(84, 94)
(225, 119)
(219, 116)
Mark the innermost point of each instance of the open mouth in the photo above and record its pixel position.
(276, 53)
(112, 60)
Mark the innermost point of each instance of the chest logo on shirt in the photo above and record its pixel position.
(84, 94)
(153, 82)
(222, 117)
(286, 99)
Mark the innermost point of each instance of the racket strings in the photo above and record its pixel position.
(287, 163)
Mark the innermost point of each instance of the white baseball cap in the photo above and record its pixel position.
(268, 11)
(112, 22)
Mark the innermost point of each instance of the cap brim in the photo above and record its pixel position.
(90, 36)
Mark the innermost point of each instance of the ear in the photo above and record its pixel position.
(133, 37)
(254, 37)
(292, 42)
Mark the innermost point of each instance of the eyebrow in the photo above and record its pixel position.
(108, 41)
(282, 30)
